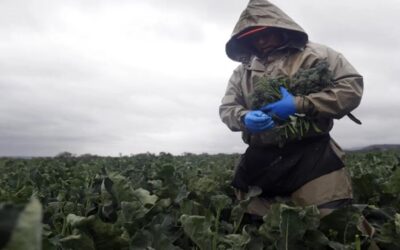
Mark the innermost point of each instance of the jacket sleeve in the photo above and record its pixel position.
(232, 108)
(337, 101)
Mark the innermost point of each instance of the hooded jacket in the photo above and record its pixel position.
(297, 53)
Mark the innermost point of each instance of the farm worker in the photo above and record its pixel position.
(310, 171)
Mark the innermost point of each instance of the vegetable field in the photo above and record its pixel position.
(168, 202)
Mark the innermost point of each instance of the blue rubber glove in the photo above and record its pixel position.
(257, 121)
(284, 107)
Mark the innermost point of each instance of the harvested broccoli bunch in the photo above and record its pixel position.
(267, 91)
(304, 82)
(307, 81)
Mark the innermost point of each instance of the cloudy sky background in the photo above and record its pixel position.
(110, 77)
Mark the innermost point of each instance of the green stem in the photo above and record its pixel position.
(19, 191)
(358, 243)
(301, 127)
(345, 233)
(238, 223)
(216, 230)
(277, 93)
(287, 235)
(64, 226)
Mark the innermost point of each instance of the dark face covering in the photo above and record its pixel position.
(265, 41)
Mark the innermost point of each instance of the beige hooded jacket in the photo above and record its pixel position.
(298, 52)
(326, 105)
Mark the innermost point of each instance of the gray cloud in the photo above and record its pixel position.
(127, 77)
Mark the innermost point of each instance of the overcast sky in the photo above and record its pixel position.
(118, 76)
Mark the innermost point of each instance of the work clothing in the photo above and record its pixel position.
(334, 186)
(279, 171)
(324, 106)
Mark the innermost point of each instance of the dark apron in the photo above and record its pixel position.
(281, 171)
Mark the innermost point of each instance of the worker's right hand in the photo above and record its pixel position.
(257, 121)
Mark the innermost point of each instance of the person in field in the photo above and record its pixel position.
(310, 171)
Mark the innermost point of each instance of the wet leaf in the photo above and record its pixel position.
(220, 201)
(198, 229)
(237, 241)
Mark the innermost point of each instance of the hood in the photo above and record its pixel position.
(263, 13)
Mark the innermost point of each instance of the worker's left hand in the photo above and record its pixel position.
(284, 107)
